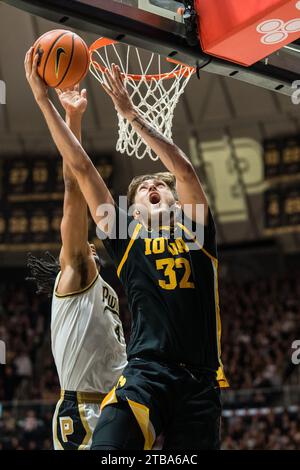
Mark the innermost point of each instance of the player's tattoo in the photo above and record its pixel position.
(151, 131)
(139, 121)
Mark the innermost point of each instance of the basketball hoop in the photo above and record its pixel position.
(154, 91)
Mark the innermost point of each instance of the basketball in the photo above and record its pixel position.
(63, 58)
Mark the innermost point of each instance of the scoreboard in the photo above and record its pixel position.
(31, 209)
(282, 208)
(282, 157)
(282, 173)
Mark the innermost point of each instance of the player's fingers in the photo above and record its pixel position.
(108, 81)
(118, 78)
(84, 93)
(111, 80)
(108, 90)
(115, 70)
(29, 52)
(76, 87)
(121, 75)
(26, 57)
(68, 91)
(34, 63)
(110, 84)
(26, 63)
(58, 91)
(27, 60)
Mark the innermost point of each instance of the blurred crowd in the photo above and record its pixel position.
(260, 320)
(26, 428)
(29, 372)
(31, 429)
(262, 431)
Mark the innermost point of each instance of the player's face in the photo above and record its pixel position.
(154, 196)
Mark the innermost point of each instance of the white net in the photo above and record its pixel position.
(154, 91)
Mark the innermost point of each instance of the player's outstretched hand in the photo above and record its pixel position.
(73, 100)
(115, 88)
(38, 87)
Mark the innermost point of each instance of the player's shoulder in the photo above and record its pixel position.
(70, 285)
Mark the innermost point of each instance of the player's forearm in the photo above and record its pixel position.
(170, 155)
(89, 180)
(67, 144)
(73, 121)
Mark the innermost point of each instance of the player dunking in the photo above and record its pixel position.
(86, 333)
(171, 381)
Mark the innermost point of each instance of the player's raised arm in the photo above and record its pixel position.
(74, 225)
(90, 182)
(188, 185)
(78, 267)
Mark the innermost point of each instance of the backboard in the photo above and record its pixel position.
(164, 8)
(155, 25)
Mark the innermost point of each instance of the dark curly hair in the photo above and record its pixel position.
(43, 272)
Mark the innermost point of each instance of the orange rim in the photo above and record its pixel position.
(103, 42)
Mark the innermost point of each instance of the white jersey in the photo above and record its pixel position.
(87, 338)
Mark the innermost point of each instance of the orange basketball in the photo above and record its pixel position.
(64, 58)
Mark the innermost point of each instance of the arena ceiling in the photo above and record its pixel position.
(213, 111)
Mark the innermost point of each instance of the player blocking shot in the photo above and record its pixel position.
(87, 338)
(171, 383)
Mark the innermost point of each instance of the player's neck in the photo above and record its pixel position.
(159, 222)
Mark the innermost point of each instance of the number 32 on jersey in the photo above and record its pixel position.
(172, 268)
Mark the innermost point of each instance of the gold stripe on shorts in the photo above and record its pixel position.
(86, 397)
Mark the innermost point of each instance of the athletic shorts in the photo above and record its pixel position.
(181, 402)
(75, 418)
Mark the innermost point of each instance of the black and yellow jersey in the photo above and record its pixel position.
(172, 292)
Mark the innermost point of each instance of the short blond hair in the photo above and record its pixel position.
(166, 177)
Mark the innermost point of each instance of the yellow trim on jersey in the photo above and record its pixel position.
(221, 378)
(110, 398)
(197, 243)
(78, 292)
(220, 373)
(55, 437)
(141, 413)
(125, 256)
(86, 427)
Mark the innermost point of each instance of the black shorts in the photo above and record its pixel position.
(75, 418)
(182, 403)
